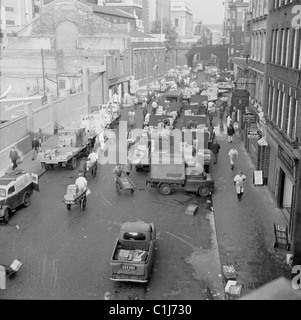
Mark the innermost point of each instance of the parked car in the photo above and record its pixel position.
(16, 188)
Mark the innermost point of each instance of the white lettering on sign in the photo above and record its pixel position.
(296, 21)
(14, 106)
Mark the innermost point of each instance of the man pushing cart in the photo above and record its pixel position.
(122, 180)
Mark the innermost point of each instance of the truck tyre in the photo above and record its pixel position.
(165, 189)
(203, 191)
(26, 200)
(6, 215)
(73, 163)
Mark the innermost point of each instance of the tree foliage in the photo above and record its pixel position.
(171, 35)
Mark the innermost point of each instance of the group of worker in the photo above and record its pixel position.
(81, 182)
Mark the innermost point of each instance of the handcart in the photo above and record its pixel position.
(281, 236)
(91, 169)
(80, 200)
(124, 183)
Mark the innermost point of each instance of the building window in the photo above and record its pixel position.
(286, 113)
(279, 111)
(274, 105)
(10, 9)
(10, 22)
(287, 47)
(176, 22)
(292, 119)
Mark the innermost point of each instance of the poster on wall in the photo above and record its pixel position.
(257, 178)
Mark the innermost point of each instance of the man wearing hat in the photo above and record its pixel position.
(81, 183)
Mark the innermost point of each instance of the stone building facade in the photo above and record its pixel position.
(282, 107)
(67, 47)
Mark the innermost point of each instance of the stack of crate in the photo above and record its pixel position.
(71, 192)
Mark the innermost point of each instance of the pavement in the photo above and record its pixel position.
(244, 230)
(27, 164)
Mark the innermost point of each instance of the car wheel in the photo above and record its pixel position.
(165, 189)
(6, 215)
(26, 201)
(203, 191)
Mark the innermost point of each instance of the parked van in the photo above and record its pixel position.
(16, 188)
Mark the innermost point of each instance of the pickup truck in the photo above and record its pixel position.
(133, 253)
(167, 176)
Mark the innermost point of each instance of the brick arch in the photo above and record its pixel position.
(205, 52)
(66, 35)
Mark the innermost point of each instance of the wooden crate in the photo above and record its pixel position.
(191, 210)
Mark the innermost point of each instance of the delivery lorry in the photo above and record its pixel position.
(66, 147)
(133, 253)
(168, 172)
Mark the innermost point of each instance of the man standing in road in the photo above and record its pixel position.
(238, 183)
(131, 117)
(13, 155)
(233, 154)
(35, 144)
(81, 183)
(215, 150)
(154, 107)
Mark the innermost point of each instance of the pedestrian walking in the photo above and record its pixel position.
(229, 120)
(230, 132)
(154, 107)
(233, 155)
(131, 119)
(144, 112)
(215, 150)
(233, 116)
(13, 155)
(35, 145)
(239, 184)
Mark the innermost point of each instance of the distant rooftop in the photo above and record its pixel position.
(112, 11)
(139, 34)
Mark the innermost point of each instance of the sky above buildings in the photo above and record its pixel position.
(209, 11)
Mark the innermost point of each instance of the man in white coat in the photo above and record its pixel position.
(239, 184)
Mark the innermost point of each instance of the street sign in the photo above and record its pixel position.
(240, 98)
(254, 133)
(249, 117)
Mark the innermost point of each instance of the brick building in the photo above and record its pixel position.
(81, 51)
(282, 107)
(250, 75)
(233, 28)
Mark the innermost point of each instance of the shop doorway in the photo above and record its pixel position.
(285, 192)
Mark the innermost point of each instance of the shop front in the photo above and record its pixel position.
(283, 171)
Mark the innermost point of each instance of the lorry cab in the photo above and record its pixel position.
(16, 188)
